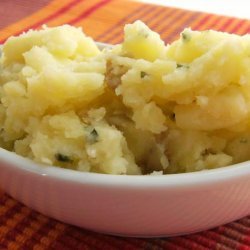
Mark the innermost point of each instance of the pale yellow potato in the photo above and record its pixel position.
(142, 107)
(202, 91)
(141, 42)
(48, 80)
(221, 111)
(63, 41)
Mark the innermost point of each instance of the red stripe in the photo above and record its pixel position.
(211, 24)
(246, 30)
(3, 200)
(220, 239)
(223, 28)
(56, 14)
(237, 26)
(48, 18)
(82, 16)
(187, 243)
(89, 11)
(208, 243)
(122, 21)
(168, 37)
(172, 21)
(143, 14)
(169, 14)
(201, 22)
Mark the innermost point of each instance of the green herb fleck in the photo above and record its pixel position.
(179, 65)
(172, 117)
(185, 37)
(62, 158)
(207, 151)
(143, 74)
(93, 136)
(243, 140)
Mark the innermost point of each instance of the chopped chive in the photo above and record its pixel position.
(179, 65)
(143, 74)
(62, 158)
(93, 136)
(172, 116)
(185, 37)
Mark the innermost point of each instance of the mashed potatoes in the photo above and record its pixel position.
(142, 107)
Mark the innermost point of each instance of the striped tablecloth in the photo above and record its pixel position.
(23, 228)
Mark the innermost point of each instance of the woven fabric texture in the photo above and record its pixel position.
(23, 228)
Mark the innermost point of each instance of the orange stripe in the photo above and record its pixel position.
(130, 19)
(175, 14)
(29, 231)
(136, 12)
(169, 37)
(39, 15)
(221, 24)
(207, 25)
(70, 14)
(161, 18)
(238, 25)
(57, 13)
(20, 25)
(9, 204)
(171, 14)
(235, 25)
(85, 11)
(53, 231)
(176, 26)
(199, 23)
(195, 24)
(104, 18)
(227, 25)
(90, 11)
(38, 24)
(243, 29)
(11, 223)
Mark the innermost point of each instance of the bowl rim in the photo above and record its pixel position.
(205, 177)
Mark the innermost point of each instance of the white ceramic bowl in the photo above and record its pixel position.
(130, 205)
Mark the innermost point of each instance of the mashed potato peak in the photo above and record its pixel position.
(142, 107)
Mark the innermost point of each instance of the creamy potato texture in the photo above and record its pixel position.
(142, 107)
